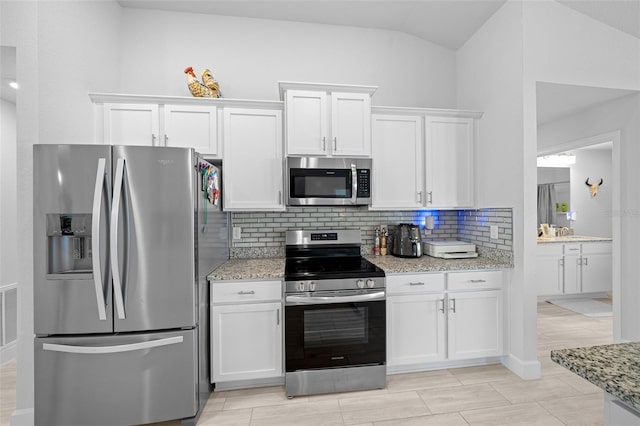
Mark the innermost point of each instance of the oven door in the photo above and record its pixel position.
(335, 329)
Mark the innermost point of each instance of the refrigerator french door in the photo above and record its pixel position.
(116, 284)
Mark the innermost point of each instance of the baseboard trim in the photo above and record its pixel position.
(8, 352)
(23, 417)
(527, 370)
(442, 365)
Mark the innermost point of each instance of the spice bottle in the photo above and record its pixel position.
(376, 245)
(383, 244)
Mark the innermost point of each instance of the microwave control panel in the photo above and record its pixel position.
(364, 183)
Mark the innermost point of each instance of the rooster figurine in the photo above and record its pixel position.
(211, 83)
(196, 88)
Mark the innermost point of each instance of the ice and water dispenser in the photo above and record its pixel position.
(69, 246)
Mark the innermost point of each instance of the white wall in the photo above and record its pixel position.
(563, 46)
(593, 214)
(8, 195)
(249, 56)
(490, 79)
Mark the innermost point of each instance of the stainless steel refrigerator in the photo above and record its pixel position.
(124, 237)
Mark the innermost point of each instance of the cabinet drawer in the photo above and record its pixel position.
(550, 249)
(474, 280)
(573, 248)
(415, 283)
(245, 291)
(596, 248)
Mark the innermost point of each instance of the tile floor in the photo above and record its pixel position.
(487, 395)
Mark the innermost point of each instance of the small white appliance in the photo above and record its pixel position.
(450, 249)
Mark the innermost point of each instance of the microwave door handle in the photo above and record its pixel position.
(354, 184)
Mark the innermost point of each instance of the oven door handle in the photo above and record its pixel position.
(318, 300)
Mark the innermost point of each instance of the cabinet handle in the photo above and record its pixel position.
(442, 306)
(166, 140)
(324, 144)
(478, 281)
(416, 283)
(278, 317)
(420, 197)
(279, 197)
(335, 143)
(586, 261)
(453, 306)
(430, 199)
(153, 139)
(246, 292)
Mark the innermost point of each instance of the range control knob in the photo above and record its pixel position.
(301, 286)
(360, 284)
(371, 283)
(312, 286)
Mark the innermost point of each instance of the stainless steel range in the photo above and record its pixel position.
(335, 316)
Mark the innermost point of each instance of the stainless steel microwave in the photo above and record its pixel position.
(315, 181)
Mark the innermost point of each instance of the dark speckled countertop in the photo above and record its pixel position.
(614, 368)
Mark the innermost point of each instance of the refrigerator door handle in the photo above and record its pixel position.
(113, 240)
(95, 240)
(111, 349)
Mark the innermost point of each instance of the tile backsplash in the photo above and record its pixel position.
(263, 232)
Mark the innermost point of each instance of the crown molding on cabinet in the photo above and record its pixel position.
(426, 111)
(100, 98)
(325, 87)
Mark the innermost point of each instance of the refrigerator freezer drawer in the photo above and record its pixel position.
(116, 380)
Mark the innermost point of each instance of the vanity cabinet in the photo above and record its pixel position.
(246, 330)
(573, 268)
(327, 120)
(440, 317)
(433, 156)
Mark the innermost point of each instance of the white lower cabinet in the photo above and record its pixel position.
(436, 317)
(246, 331)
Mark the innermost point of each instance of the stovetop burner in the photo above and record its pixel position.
(326, 255)
(330, 268)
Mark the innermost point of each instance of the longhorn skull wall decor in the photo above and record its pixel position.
(593, 187)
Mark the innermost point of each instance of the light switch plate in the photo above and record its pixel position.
(494, 232)
(237, 233)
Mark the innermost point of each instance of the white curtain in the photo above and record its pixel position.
(546, 203)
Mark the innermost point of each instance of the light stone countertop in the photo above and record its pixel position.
(614, 368)
(249, 269)
(572, 239)
(273, 268)
(398, 265)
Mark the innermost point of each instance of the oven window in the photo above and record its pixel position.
(331, 327)
(320, 183)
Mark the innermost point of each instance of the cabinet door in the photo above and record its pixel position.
(253, 161)
(246, 341)
(398, 162)
(475, 324)
(596, 272)
(415, 329)
(191, 126)
(131, 124)
(306, 122)
(549, 270)
(350, 124)
(449, 161)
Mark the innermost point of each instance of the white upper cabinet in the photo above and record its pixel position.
(191, 126)
(253, 160)
(131, 124)
(398, 171)
(449, 161)
(327, 120)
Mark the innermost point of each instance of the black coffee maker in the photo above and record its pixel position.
(407, 241)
